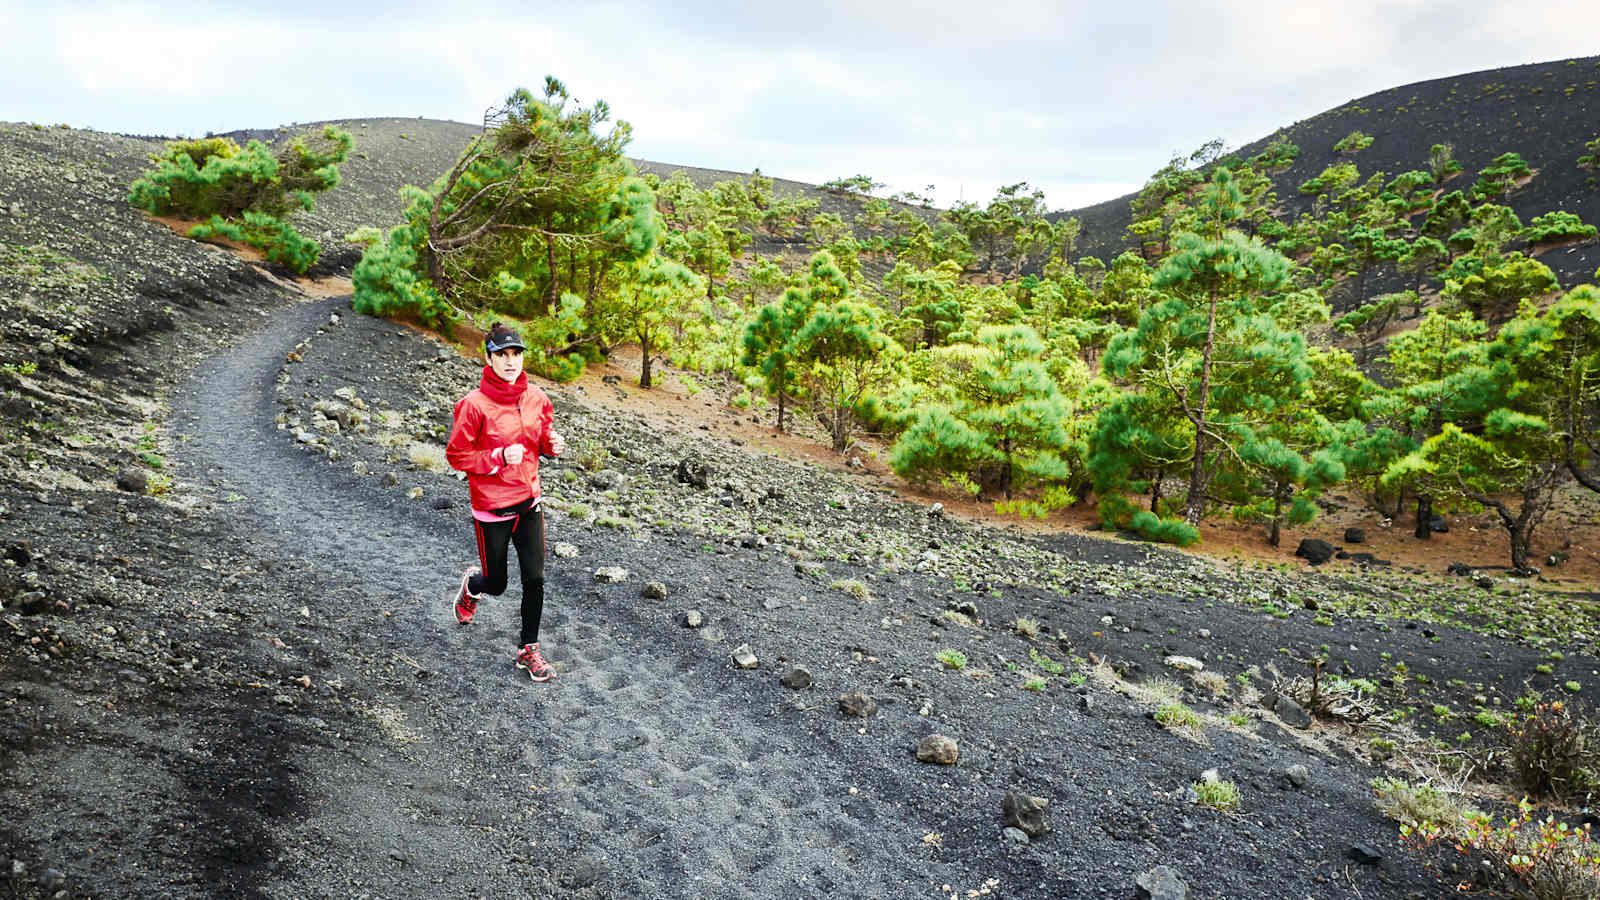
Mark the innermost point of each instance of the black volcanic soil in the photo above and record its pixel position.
(241, 678)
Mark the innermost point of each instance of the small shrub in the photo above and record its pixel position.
(1550, 750)
(1354, 142)
(428, 456)
(1558, 225)
(1220, 795)
(854, 588)
(153, 460)
(1176, 715)
(1028, 628)
(959, 618)
(1166, 531)
(1034, 684)
(952, 659)
(1044, 662)
(1544, 860)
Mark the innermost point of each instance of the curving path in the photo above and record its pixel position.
(643, 770)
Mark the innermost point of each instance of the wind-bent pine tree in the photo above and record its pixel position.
(1213, 281)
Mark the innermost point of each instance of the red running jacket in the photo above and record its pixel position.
(489, 419)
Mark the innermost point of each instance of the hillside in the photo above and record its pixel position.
(229, 668)
(1544, 111)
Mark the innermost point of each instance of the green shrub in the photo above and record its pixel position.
(1354, 142)
(1556, 226)
(275, 238)
(952, 659)
(1551, 751)
(1166, 531)
(245, 193)
(1176, 715)
(1499, 176)
(1045, 662)
(1222, 795)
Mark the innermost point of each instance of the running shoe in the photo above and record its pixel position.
(531, 659)
(466, 601)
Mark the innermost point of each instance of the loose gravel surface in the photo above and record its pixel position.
(228, 664)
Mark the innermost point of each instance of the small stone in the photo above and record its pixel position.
(134, 481)
(360, 469)
(1184, 663)
(565, 550)
(608, 480)
(936, 511)
(744, 657)
(691, 618)
(415, 493)
(390, 479)
(1015, 836)
(1438, 525)
(611, 574)
(796, 678)
(19, 552)
(1484, 581)
(1025, 812)
(654, 590)
(938, 749)
(1212, 775)
(694, 471)
(1364, 854)
(858, 705)
(442, 503)
(1355, 536)
(1297, 775)
(1293, 714)
(1161, 883)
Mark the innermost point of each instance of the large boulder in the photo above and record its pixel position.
(1315, 551)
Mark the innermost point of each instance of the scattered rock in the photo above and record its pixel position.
(1315, 551)
(1557, 558)
(691, 618)
(565, 550)
(608, 480)
(858, 705)
(936, 511)
(611, 574)
(796, 678)
(744, 657)
(654, 590)
(360, 469)
(1161, 883)
(134, 481)
(1293, 714)
(1439, 525)
(1297, 775)
(1364, 854)
(390, 479)
(1184, 663)
(693, 470)
(1025, 812)
(1485, 582)
(1458, 568)
(938, 749)
(1015, 836)
(1355, 536)
(442, 503)
(19, 552)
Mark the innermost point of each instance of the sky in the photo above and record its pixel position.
(1080, 100)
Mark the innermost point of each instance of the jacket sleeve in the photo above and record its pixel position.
(545, 447)
(462, 451)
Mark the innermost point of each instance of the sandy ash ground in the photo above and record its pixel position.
(228, 666)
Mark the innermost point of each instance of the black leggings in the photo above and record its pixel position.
(525, 530)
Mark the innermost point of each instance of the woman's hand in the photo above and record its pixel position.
(513, 454)
(558, 444)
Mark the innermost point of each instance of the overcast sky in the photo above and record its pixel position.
(1082, 100)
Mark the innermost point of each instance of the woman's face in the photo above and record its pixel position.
(506, 363)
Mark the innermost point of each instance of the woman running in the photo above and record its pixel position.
(500, 431)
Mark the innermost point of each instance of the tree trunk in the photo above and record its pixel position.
(550, 293)
(838, 430)
(1277, 517)
(644, 365)
(1197, 500)
(781, 398)
(1424, 517)
(1521, 542)
(1155, 492)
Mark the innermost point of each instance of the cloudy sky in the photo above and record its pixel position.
(1083, 100)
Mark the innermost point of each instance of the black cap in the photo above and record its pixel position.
(501, 338)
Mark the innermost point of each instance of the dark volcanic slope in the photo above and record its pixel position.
(1544, 111)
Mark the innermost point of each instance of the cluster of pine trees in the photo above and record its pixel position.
(1173, 383)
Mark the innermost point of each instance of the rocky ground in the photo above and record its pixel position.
(228, 666)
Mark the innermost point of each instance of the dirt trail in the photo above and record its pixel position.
(645, 765)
